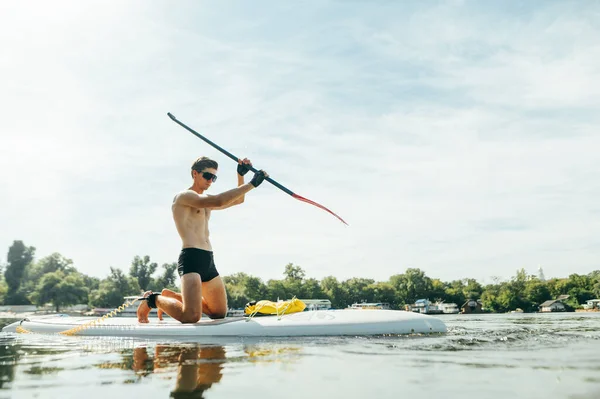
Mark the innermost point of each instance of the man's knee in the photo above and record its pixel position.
(218, 315)
(191, 317)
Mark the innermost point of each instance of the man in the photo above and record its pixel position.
(202, 289)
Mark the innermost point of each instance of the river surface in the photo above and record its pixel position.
(482, 356)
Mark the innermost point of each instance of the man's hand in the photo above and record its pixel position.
(258, 178)
(242, 169)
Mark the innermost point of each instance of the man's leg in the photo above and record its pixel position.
(187, 375)
(174, 295)
(214, 298)
(140, 357)
(187, 311)
(143, 310)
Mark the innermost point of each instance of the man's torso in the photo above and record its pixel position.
(192, 225)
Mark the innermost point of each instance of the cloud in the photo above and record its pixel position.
(459, 138)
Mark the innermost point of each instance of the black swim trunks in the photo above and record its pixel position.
(196, 260)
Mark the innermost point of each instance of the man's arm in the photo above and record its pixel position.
(193, 199)
(241, 171)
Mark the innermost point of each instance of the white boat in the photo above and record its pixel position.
(367, 305)
(231, 313)
(317, 304)
(448, 308)
(424, 306)
(309, 323)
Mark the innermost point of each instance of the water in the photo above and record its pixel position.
(482, 356)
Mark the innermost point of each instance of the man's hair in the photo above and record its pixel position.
(202, 163)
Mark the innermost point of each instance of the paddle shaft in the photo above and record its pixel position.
(230, 155)
(236, 159)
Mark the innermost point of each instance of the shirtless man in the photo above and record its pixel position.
(202, 289)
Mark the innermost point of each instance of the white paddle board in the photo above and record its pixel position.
(308, 323)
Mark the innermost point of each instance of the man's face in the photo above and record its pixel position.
(207, 177)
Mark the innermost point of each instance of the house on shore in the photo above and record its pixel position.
(472, 306)
(593, 305)
(554, 305)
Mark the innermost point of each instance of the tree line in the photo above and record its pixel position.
(54, 280)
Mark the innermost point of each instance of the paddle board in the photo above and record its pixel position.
(308, 323)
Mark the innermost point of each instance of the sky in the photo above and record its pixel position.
(458, 137)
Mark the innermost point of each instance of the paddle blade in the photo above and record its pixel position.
(299, 197)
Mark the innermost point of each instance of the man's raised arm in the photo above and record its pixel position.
(194, 200)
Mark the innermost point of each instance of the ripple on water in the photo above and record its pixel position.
(496, 345)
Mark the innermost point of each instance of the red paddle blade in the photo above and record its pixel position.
(298, 197)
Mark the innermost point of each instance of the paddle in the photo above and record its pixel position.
(236, 159)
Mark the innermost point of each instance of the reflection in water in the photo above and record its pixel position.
(263, 354)
(198, 366)
(196, 377)
(33, 361)
(8, 359)
(554, 356)
(30, 359)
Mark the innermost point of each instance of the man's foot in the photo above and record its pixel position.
(144, 310)
(159, 313)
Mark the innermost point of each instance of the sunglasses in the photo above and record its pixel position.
(209, 176)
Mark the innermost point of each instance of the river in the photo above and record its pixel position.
(482, 356)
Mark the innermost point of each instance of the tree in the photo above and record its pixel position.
(294, 273)
(242, 288)
(507, 300)
(294, 279)
(411, 285)
(277, 289)
(472, 289)
(356, 290)
(254, 288)
(578, 296)
(595, 282)
(49, 264)
(3, 289)
(513, 294)
(113, 289)
(36, 270)
(489, 297)
(333, 291)
(168, 278)
(311, 289)
(536, 292)
(142, 270)
(92, 283)
(455, 292)
(60, 289)
(438, 290)
(559, 286)
(381, 292)
(19, 257)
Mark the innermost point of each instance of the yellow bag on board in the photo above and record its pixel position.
(265, 307)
